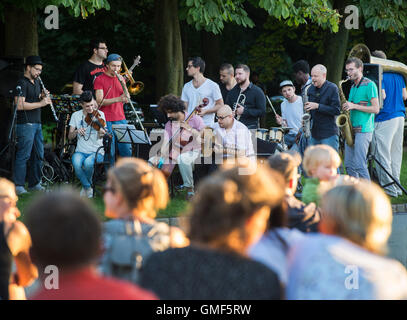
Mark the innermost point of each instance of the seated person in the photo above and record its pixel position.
(184, 147)
(304, 217)
(232, 138)
(321, 163)
(89, 140)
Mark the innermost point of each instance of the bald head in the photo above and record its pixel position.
(225, 117)
(318, 75)
(225, 110)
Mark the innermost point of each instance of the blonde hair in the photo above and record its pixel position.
(360, 213)
(319, 154)
(142, 186)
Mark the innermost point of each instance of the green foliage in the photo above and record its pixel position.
(211, 14)
(385, 15)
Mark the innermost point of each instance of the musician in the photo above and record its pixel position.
(292, 111)
(389, 128)
(227, 79)
(89, 141)
(201, 91)
(255, 100)
(87, 72)
(232, 138)
(110, 97)
(30, 146)
(323, 105)
(181, 132)
(363, 104)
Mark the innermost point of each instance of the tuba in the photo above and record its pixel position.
(135, 87)
(343, 120)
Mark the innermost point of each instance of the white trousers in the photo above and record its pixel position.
(388, 150)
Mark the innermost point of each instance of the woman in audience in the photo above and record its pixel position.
(229, 213)
(346, 261)
(133, 194)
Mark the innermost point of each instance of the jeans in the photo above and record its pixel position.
(289, 139)
(355, 157)
(124, 148)
(332, 141)
(83, 164)
(30, 151)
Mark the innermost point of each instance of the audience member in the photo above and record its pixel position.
(15, 242)
(229, 213)
(321, 163)
(66, 234)
(346, 261)
(133, 193)
(300, 216)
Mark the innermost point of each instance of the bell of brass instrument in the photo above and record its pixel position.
(135, 87)
(343, 120)
(241, 99)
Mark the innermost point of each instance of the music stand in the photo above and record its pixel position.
(127, 133)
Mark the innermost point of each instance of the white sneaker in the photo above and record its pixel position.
(82, 193)
(89, 193)
(37, 187)
(20, 190)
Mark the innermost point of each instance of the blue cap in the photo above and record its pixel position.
(113, 57)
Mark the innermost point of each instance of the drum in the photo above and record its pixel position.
(262, 134)
(276, 135)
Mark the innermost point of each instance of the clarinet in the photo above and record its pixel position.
(52, 106)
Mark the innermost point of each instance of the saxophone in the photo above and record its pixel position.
(343, 120)
(306, 118)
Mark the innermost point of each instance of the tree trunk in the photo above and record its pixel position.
(21, 37)
(336, 45)
(211, 54)
(169, 66)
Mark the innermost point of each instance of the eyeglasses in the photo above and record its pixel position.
(223, 118)
(103, 48)
(107, 189)
(38, 69)
(189, 66)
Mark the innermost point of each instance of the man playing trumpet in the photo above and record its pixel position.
(110, 97)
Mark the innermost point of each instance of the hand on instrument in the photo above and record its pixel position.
(81, 131)
(347, 106)
(123, 98)
(102, 132)
(279, 119)
(45, 101)
(239, 109)
(202, 112)
(186, 126)
(311, 106)
(44, 93)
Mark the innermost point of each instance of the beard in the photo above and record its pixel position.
(241, 81)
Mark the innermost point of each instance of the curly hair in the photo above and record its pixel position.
(171, 103)
(137, 181)
(226, 199)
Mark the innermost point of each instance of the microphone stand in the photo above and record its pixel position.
(11, 146)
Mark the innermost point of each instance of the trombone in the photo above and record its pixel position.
(135, 87)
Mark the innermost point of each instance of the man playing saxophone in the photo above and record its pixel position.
(363, 104)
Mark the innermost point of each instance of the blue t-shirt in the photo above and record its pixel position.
(393, 105)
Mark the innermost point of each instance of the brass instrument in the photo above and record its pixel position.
(241, 99)
(343, 120)
(135, 87)
(306, 118)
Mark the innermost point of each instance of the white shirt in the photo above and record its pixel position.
(293, 113)
(209, 92)
(238, 137)
(90, 142)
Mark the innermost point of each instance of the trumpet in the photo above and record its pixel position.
(241, 99)
(135, 87)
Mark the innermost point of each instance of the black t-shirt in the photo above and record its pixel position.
(224, 91)
(87, 73)
(254, 106)
(31, 92)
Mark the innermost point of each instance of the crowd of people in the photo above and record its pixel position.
(249, 234)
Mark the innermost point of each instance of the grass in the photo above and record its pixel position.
(178, 206)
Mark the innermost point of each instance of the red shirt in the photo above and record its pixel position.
(86, 284)
(112, 86)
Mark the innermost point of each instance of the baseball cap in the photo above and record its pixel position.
(286, 83)
(285, 162)
(113, 57)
